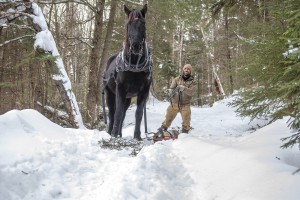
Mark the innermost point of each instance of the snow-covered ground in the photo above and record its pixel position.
(222, 158)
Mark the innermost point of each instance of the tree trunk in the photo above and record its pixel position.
(181, 34)
(228, 54)
(217, 83)
(107, 42)
(215, 78)
(93, 93)
(4, 88)
(3, 61)
(62, 80)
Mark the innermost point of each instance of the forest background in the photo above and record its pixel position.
(233, 45)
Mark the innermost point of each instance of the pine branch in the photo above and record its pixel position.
(295, 172)
(292, 140)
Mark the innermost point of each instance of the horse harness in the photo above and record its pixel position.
(122, 64)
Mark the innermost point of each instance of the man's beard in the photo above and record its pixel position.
(186, 76)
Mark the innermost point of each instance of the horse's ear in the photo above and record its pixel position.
(144, 10)
(127, 10)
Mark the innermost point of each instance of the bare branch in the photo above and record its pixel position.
(79, 39)
(83, 2)
(132, 2)
(15, 39)
(16, 26)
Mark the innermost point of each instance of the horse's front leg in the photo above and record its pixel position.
(126, 106)
(141, 102)
(119, 112)
(111, 103)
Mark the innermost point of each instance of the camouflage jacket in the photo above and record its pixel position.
(187, 93)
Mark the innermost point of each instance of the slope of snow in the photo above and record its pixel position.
(222, 158)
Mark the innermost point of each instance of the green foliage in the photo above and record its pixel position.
(40, 57)
(168, 70)
(276, 68)
(44, 57)
(7, 85)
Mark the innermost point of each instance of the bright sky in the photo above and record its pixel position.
(222, 158)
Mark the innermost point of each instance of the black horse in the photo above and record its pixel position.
(128, 74)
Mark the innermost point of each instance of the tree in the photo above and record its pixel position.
(106, 46)
(276, 70)
(33, 13)
(92, 98)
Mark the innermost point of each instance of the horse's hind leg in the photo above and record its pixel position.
(111, 104)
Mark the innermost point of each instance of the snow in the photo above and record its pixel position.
(223, 157)
(38, 17)
(45, 41)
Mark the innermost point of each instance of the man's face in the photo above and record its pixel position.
(186, 71)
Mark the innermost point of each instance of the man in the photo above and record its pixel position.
(181, 90)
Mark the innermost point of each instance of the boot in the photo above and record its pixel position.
(162, 128)
(184, 131)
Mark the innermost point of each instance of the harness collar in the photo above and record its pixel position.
(123, 64)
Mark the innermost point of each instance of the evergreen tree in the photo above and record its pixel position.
(276, 70)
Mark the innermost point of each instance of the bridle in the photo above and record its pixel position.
(131, 52)
(141, 45)
(124, 58)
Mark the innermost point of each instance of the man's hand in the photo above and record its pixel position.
(168, 91)
(181, 88)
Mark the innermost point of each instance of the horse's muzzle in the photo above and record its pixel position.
(136, 49)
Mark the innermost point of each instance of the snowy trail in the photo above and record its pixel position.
(143, 176)
(219, 160)
(85, 171)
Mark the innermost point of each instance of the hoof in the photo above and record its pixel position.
(138, 138)
(116, 135)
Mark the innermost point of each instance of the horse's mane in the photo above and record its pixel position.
(133, 15)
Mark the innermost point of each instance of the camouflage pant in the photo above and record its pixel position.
(185, 115)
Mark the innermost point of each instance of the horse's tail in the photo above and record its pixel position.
(107, 75)
(103, 106)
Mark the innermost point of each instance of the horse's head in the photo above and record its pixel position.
(135, 30)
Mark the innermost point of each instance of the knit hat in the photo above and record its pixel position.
(187, 66)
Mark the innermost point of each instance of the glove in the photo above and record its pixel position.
(181, 88)
(168, 91)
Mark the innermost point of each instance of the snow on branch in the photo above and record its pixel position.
(251, 41)
(44, 40)
(291, 50)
